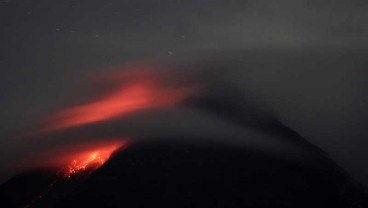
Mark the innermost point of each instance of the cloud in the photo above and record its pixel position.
(151, 102)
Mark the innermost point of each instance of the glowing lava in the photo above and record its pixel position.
(90, 160)
(114, 95)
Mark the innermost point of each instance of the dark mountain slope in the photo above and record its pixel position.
(25, 187)
(167, 174)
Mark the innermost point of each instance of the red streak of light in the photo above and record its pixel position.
(128, 90)
(124, 99)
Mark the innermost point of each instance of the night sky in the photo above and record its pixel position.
(306, 60)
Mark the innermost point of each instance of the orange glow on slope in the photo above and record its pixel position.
(89, 160)
(94, 155)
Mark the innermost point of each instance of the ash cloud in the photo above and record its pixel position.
(302, 61)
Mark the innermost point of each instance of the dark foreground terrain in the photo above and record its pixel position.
(172, 174)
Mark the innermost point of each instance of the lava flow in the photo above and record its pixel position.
(115, 94)
(90, 160)
(79, 163)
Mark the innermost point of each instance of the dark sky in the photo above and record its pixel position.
(305, 58)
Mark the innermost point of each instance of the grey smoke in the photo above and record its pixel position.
(303, 60)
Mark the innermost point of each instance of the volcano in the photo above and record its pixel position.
(163, 173)
(216, 148)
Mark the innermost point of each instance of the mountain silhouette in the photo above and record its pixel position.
(192, 174)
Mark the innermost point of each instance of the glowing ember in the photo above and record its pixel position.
(91, 160)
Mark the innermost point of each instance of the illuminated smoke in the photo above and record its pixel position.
(115, 94)
(135, 89)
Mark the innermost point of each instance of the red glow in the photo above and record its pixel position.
(115, 93)
(134, 90)
(91, 159)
